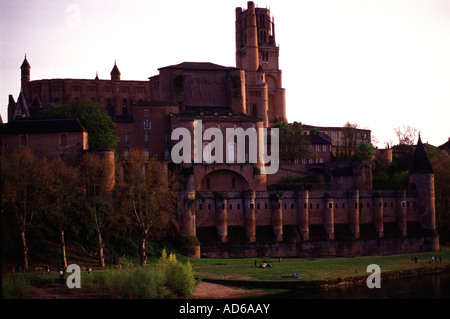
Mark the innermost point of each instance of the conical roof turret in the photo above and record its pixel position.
(420, 162)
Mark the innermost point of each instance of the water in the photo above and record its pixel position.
(436, 286)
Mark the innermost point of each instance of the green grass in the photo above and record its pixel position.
(309, 268)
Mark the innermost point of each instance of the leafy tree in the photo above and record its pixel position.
(94, 118)
(64, 194)
(147, 192)
(364, 152)
(24, 191)
(95, 204)
(293, 143)
(441, 168)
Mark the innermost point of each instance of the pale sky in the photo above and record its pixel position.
(378, 63)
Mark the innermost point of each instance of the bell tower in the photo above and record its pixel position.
(257, 53)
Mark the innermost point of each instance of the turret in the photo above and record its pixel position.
(421, 179)
(25, 79)
(115, 73)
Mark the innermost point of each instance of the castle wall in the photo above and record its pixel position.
(306, 209)
(334, 248)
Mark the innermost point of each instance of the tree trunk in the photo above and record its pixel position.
(25, 250)
(101, 259)
(63, 250)
(142, 250)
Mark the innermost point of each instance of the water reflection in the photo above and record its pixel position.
(422, 287)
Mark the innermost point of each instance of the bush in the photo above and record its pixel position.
(14, 286)
(179, 277)
(138, 283)
(149, 283)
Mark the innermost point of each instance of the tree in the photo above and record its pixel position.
(94, 118)
(349, 143)
(293, 143)
(24, 191)
(64, 193)
(148, 192)
(407, 135)
(365, 152)
(441, 168)
(93, 177)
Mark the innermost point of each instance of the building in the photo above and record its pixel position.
(64, 138)
(343, 139)
(236, 206)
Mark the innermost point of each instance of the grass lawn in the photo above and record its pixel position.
(309, 268)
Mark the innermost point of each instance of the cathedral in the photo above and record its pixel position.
(233, 207)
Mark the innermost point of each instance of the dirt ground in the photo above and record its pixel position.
(207, 290)
(204, 290)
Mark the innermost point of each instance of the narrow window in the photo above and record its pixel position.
(124, 107)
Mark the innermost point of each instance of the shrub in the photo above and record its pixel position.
(136, 283)
(14, 286)
(179, 277)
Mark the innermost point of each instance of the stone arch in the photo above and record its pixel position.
(223, 180)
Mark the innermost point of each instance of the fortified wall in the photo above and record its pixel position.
(312, 223)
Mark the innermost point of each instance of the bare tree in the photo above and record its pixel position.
(349, 140)
(406, 134)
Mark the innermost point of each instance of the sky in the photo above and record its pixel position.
(380, 64)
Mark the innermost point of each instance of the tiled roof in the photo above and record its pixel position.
(197, 66)
(41, 126)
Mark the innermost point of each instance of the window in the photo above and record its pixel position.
(126, 138)
(126, 153)
(147, 152)
(145, 113)
(63, 139)
(146, 137)
(124, 107)
(147, 125)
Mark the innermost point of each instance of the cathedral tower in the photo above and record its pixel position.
(25, 73)
(257, 53)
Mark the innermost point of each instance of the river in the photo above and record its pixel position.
(435, 286)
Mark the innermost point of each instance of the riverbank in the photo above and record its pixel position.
(312, 275)
(328, 283)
